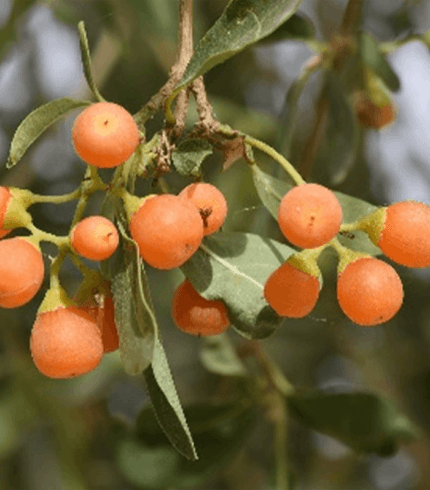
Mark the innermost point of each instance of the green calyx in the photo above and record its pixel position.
(133, 203)
(373, 224)
(56, 297)
(307, 261)
(17, 215)
(346, 256)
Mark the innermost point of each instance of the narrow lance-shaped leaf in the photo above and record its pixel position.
(243, 22)
(233, 267)
(86, 61)
(166, 404)
(36, 123)
(134, 313)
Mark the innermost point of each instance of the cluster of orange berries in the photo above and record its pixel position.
(369, 291)
(168, 229)
(68, 338)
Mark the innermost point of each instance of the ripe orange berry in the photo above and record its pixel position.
(210, 203)
(309, 215)
(21, 272)
(95, 238)
(65, 342)
(369, 291)
(371, 115)
(4, 201)
(105, 135)
(196, 315)
(167, 229)
(403, 233)
(291, 292)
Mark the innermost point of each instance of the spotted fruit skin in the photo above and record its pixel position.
(105, 135)
(168, 231)
(210, 202)
(65, 343)
(405, 235)
(369, 291)
(291, 292)
(309, 215)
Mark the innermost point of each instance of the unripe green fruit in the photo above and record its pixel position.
(402, 232)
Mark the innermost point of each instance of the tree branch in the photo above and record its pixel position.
(185, 51)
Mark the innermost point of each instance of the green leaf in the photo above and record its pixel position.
(218, 430)
(190, 155)
(36, 123)
(364, 421)
(86, 61)
(148, 467)
(243, 23)
(166, 404)
(372, 57)
(233, 267)
(272, 189)
(297, 27)
(219, 356)
(134, 313)
(342, 137)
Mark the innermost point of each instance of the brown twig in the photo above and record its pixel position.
(204, 107)
(185, 52)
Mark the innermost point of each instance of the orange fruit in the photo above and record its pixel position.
(369, 291)
(196, 315)
(168, 230)
(95, 238)
(105, 135)
(21, 272)
(210, 203)
(309, 215)
(65, 343)
(291, 292)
